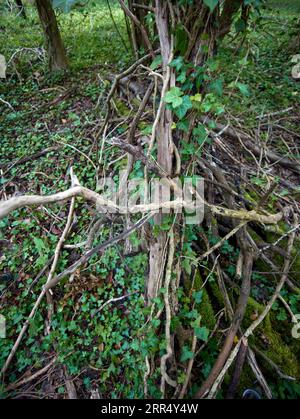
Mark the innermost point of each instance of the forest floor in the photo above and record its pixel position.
(64, 113)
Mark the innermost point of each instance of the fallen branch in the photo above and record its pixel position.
(258, 321)
(18, 202)
(258, 374)
(237, 371)
(32, 377)
(235, 325)
(98, 249)
(250, 144)
(163, 362)
(112, 300)
(189, 369)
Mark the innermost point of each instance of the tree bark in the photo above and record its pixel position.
(165, 149)
(54, 44)
(230, 8)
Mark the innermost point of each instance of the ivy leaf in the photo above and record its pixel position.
(243, 88)
(200, 133)
(39, 244)
(182, 77)
(202, 333)
(217, 87)
(184, 107)
(183, 125)
(156, 62)
(198, 296)
(240, 26)
(174, 97)
(212, 4)
(186, 354)
(177, 63)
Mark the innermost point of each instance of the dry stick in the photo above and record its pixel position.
(130, 138)
(98, 249)
(113, 300)
(227, 365)
(257, 372)
(237, 371)
(163, 362)
(274, 113)
(71, 389)
(273, 266)
(273, 365)
(119, 77)
(288, 308)
(41, 273)
(34, 200)
(7, 104)
(115, 25)
(222, 241)
(273, 157)
(139, 113)
(31, 377)
(139, 25)
(30, 200)
(146, 375)
(189, 369)
(142, 6)
(43, 292)
(216, 210)
(26, 159)
(237, 318)
(137, 154)
(258, 321)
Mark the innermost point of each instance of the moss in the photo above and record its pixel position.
(123, 110)
(265, 335)
(205, 308)
(217, 293)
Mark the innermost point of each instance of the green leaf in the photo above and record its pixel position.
(177, 63)
(217, 87)
(186, 354)
(212, 4)
(174, 97)
(200, 133)
(39, 244)
(243, 88)
(156, 62)
(198, 296)
(186, 264)
(185, 106)
(202, 333)
(183, 125)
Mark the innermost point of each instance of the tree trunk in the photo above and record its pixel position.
(54, 44)
(230, 8)
(165, 149)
